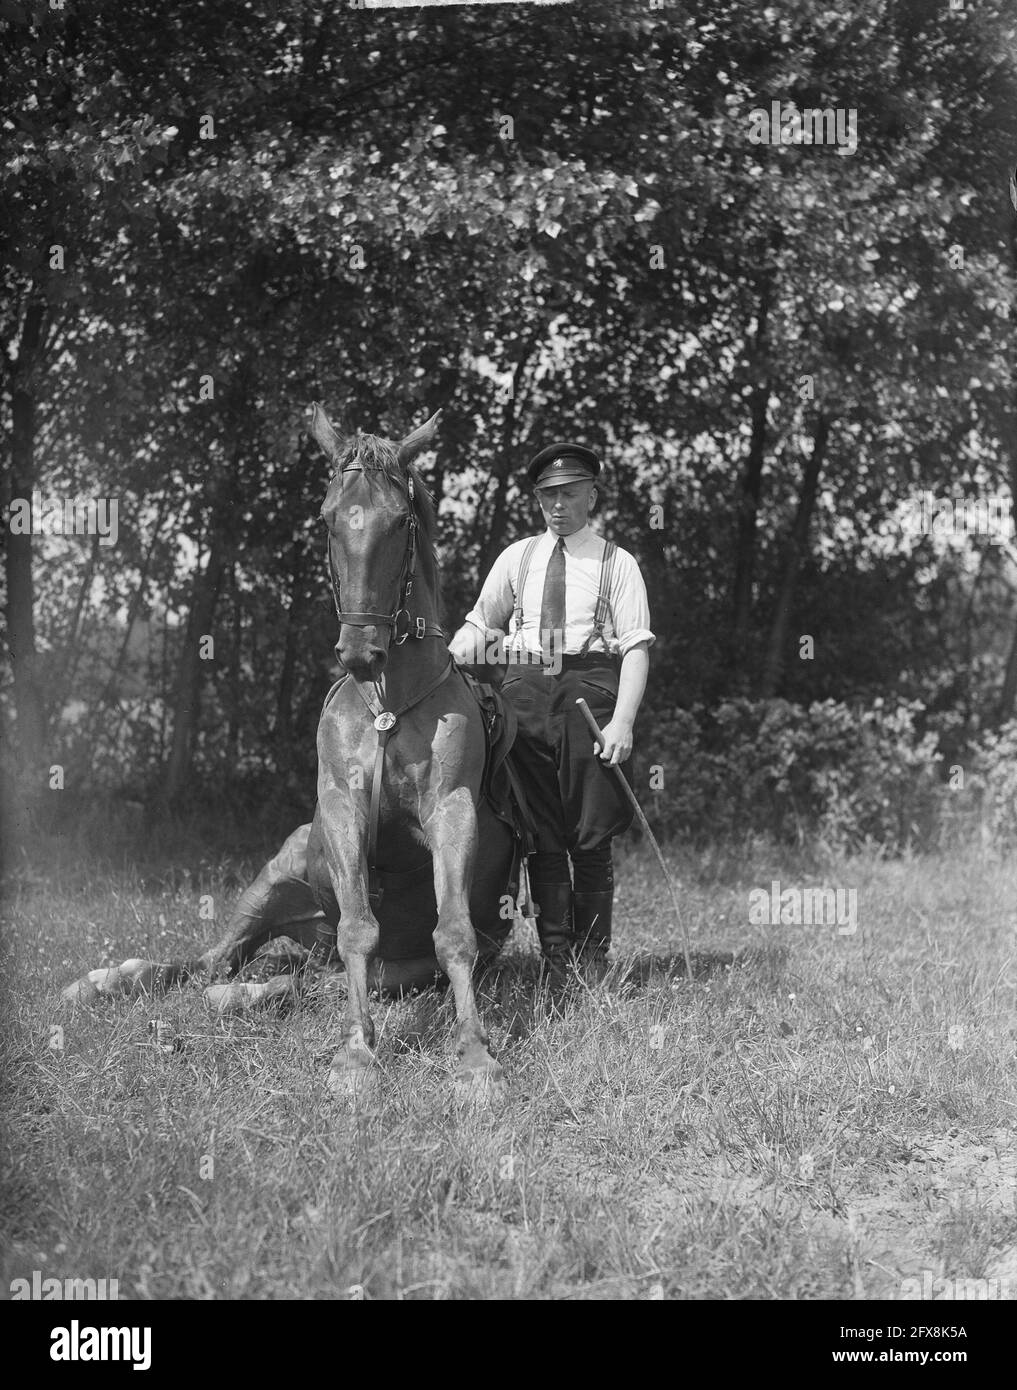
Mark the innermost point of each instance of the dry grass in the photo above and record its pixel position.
(803, 1125)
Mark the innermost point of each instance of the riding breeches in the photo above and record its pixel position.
(575, 800)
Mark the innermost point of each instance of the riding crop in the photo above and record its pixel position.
(644, 825)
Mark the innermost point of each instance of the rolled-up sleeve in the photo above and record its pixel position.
(630, 607)
(496, 602)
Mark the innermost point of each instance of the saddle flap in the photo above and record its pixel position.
(500, 787)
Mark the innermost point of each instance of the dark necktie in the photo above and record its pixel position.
(552, 605)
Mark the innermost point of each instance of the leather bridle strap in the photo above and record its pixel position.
(418, 628)
(385, 723)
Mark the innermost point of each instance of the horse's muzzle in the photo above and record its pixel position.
(362, 651)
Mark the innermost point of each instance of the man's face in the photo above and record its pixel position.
(566, 507)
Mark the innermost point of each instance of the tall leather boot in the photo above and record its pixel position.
(592, 930)
(554, 928)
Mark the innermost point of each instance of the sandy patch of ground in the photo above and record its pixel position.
(891, 1232)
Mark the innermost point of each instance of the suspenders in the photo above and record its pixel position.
(524, 569)
(603, 609)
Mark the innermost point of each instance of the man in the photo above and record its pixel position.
(580, 628)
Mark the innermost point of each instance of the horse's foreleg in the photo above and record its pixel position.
(452, 835)
(358, 938)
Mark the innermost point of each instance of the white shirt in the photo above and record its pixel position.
(628, 620)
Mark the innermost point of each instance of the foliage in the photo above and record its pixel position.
(827, 772)
(359, 225)
(994, 782)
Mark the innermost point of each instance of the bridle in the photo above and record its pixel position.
(418, 628)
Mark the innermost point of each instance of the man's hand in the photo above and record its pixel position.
(617, 742)
(476, 653)
(467, 646)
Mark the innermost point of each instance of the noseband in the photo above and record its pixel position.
(415, 627)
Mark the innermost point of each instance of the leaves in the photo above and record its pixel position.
(358, 230)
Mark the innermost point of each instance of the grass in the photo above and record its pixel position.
(827, 1117)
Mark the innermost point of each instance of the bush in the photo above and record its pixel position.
(829, 773)
(994, 783)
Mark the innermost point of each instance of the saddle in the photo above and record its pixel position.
(500, 785)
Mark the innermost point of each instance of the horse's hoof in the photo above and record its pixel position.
(354, 1071)
(352, 1083)
(136, 976)
(226, 999)
(481, 1083)
(83, 991)
(108, 982)
(240, 998)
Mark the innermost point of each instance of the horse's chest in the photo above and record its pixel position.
(409, 780)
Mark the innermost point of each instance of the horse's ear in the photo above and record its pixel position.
(420, 438)
(322, 430)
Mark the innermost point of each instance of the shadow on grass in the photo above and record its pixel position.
(655, 967)
(516, 971)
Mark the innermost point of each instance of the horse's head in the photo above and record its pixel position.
(371, 514)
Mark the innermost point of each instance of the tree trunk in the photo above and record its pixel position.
(282, 731)
(87, 745)
(496, 531)
(187, 700)
(796, 547)
(71, 643)
(164, 682)
(29, 703)
(750, 489)
(1008, 694)
(233, 695)
(208, 585)
(134, 608)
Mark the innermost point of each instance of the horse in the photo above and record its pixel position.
(389, 871)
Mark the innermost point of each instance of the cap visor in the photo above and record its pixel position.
(560, 479)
